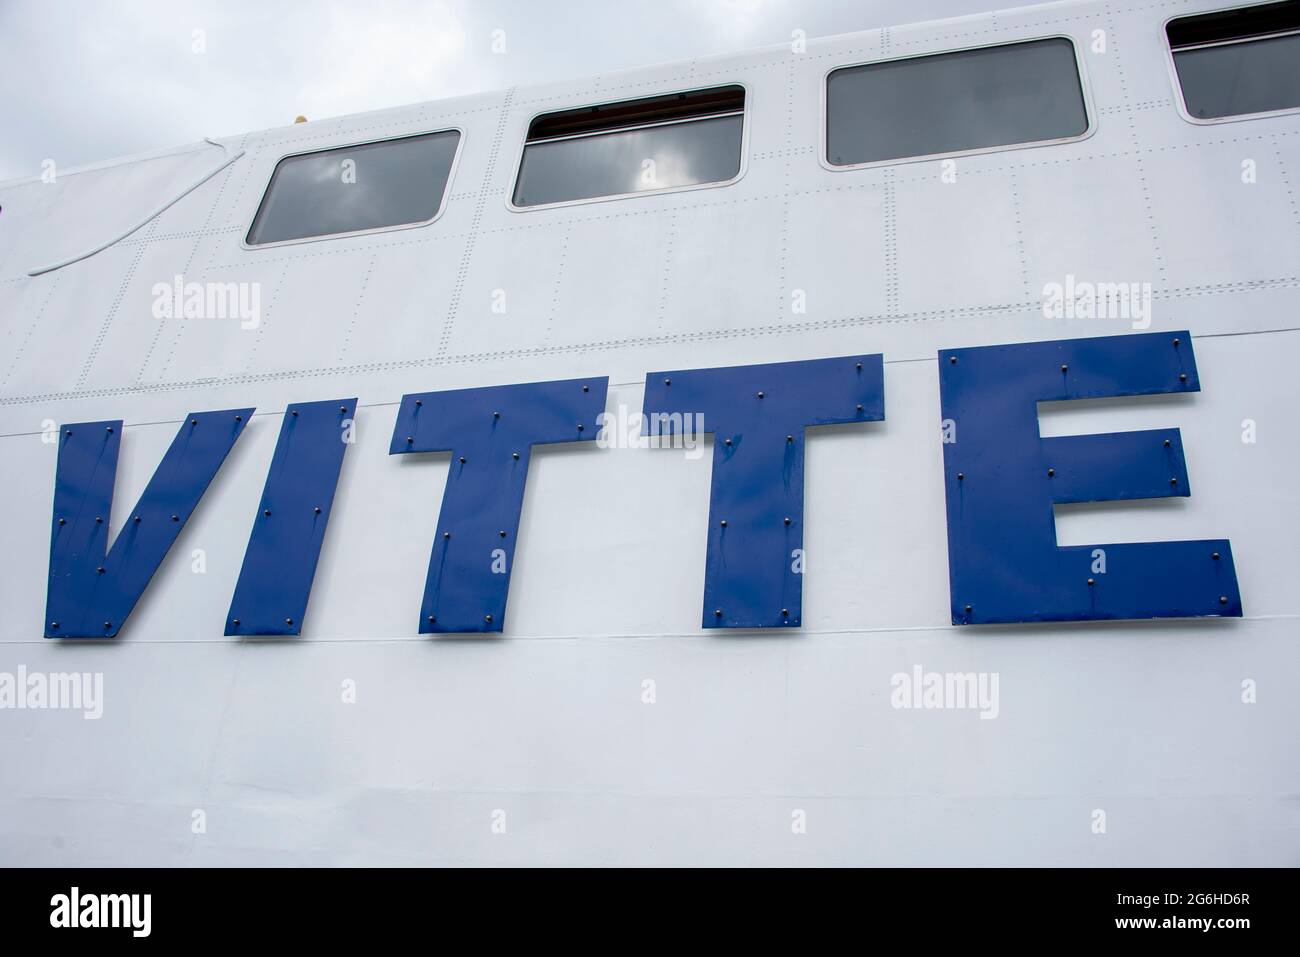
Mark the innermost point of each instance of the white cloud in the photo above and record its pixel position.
(85, 81)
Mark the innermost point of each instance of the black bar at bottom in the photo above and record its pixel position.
(334, 907)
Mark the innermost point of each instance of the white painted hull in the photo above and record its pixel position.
(547, 722)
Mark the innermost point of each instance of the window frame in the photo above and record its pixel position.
(442, 203)
(1180, 104)
(1085, 89)
(746, 117)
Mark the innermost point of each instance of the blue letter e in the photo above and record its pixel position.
(1002, 480)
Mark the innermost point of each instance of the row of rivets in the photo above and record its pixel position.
(1064, 368)
(99, 519)
(1223, 599)
(760, 395)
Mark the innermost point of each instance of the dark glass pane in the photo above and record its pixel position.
(387, 184)
(950, 102)
(1243, 23)
(1254, 76)
(607, 117)
(609, 164)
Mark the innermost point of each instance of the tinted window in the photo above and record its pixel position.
(391, 183)
(952, 102)
(642, 145)
(1238, 62)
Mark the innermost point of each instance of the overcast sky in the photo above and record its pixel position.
(88, 80)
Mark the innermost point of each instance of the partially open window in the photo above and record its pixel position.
(356, 189)
(1239, 62)
(963, 101)
(637, 146)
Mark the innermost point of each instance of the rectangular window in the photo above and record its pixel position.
(356, 189)
(662, 142)
(943, 103)
(1239, 62)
